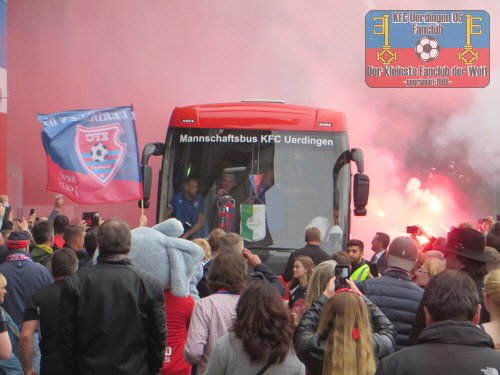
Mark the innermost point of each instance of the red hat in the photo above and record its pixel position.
(17, 240)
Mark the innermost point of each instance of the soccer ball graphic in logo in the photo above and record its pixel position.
(427, 49)
(99, 152)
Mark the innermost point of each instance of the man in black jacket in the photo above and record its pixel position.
(40, 313)
(451, 306)
(464, 251)
(394, 293)
(111, 315)
(311, 250)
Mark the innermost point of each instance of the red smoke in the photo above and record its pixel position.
(158, 55)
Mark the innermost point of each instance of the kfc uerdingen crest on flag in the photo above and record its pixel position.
(92, 155)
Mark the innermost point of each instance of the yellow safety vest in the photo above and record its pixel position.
(361, 273)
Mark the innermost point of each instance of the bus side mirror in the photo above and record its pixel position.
(147, 173)
(360, 191)
(152, 148)
(359, 160)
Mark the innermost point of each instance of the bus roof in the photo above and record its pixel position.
(258, 115)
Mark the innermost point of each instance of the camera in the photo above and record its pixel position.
(91, 218)
(373, 269)
(187, 226)
(341, 274)
(413, 229)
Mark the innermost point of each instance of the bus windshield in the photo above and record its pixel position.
(266, 185)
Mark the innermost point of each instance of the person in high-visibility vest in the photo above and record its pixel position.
(360, 270)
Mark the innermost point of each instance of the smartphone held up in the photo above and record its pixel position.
(91, 219)
(341, 274)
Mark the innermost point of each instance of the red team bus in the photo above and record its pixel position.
(265, 170)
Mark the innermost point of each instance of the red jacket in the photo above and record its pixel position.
(178, 311)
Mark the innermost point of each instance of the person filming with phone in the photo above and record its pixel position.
(335, 336)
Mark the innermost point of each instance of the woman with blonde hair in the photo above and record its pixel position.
(205, 246)
(494, 254)
(430, 268)
(335, 335)
(492, 304)
(320, 277)
(345, 326)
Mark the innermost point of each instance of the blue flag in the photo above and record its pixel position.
(92, 155)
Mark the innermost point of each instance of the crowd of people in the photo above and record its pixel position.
(111, 300)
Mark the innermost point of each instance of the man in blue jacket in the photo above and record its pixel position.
(24, 277)
(395, 293)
